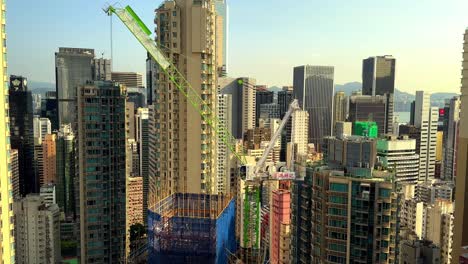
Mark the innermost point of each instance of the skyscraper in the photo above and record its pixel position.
(73, 67)
(7, 254)
(369, 108)
(262, 96)
(129, 79)
(15, 174)
(450, 138)
(460, 237)
(300, 128)
(426, 118)
(101, 69)
(340, 107)
(378, 78)
(242, 91)
(184, 146)
(222, 36)
(42, 126)
(49, 159)
(314, 88)
(225, 117)
(66, 160)
(285, 97)
(21, 130)
(49, 109)
(102, 172)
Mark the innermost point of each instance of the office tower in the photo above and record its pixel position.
(142, 137)
(47, 191)
(66, 160)
(338, 217)
(129, 79)
(37, 99)
(188, 160)
(225, 117)
(242, 91)
(37, 231)
(399, 154)
(42, 127)
(378, 78)
(102, 172)
(15, 174)
(439, 227)
(73, 67)
(343, 129)
(425, 118)
(300, 131)
(130, 120)
(21, 132)
(413, 252)
(460, 238)
(222, 36)
(314, 88)
(137, 96)
(134, 201)
(7, 254)
(133, 157)
(450, 138)
(369, 108)
(49, 109)
(280, 220)
(340, 104)
(151, 77)
(38, 162)
(262, 96)
(101, 69)
(49, 158)
(267, 112)
(285, 98)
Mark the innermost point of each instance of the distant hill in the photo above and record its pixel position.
(41, 87)
(275, 89)
(402, 99)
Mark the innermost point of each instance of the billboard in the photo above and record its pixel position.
(288, 175)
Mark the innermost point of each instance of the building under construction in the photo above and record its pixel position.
(192, 228)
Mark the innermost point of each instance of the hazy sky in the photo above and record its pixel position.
(267, 38)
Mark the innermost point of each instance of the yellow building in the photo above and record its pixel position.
(439, 147)
(7, 254)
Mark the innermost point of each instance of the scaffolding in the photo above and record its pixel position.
(191, 228)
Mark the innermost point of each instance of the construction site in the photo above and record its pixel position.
(192, 228)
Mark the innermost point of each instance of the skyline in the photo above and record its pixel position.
(333, 36)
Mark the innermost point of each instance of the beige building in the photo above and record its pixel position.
(460, 237)
(339, 107)
(439, 228)
(129, 79)
(300, 131)
(183, 146)
(49, 158)
(37, 231)
(134, 200)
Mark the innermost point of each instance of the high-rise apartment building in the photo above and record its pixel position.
(151, 77)
(42, 126)
(184, 145)
(142, 138)
(21, 132)
(242, 91)
(450, 138)
(224, 161)
(37, 231)
(338, 218)
(267, 112)
(340, 104)
(7, 254)
(73, 67)
(49, 159)
(222, 36)
(426, 118)
(129, 79)
(439, 228)
(314, 88)
(102, 172)
(369, 108)
(262, 96)
(66, 160)
(101, 69)
(134, 201)
(378, 78)
(285, 98)
(48, 192)
(280, 220)
(38, 162)
(413, 252)
(460, 238)
(300, 131)
(400, 154)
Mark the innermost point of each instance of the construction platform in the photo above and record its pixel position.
(192, 228)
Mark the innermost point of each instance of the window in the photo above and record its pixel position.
(384, 193)
(174, 24)
(174, 34)
(174, 13)
(339, 187)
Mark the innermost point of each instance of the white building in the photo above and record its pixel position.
(47, 191)
(300, 131)
(223, 154)
(426, 118)
(42, 127)
(343, 129)
(400, 153)
(439, 227)
(37, 231)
